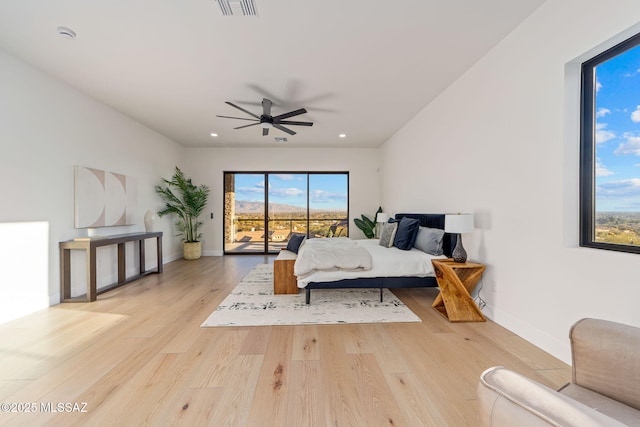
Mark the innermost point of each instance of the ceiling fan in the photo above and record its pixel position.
(267, 121)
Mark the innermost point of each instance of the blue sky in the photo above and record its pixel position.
(328, 191)
(618, 133)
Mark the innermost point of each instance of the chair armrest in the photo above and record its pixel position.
(606, 359)
(506, 398)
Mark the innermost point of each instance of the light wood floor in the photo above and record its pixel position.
(138, 356)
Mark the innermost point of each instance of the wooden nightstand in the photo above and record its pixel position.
(456, 281)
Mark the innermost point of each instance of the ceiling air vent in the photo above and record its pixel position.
(238, 7)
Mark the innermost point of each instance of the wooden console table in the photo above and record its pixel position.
(456, 281)
(90, 245)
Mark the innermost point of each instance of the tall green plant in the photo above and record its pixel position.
(187, 201)
(368, 226)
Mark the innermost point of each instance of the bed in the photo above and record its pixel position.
(334, 279)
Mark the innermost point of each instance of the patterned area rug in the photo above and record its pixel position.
(252, 303)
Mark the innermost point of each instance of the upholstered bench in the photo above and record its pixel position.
(284, 281)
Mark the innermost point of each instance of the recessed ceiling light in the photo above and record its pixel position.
(343, 135)
(214, 135)
(67, 33)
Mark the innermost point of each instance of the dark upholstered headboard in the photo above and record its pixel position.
(434, 221)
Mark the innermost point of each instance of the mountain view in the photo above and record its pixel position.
(246, 207)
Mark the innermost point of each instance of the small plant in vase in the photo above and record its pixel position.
(186, 201)
(368, 226)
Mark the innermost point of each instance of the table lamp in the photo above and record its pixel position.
(458, 224)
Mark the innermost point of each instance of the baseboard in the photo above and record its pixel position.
(54, 299)
(212, 253)
(548, 343)
(169, 258)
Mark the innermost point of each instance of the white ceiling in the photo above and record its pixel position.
(360, 67)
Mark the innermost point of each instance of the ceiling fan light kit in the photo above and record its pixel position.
(267, 121)
(237, 7)
(67, 33)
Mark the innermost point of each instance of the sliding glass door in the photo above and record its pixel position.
(263, 209)
(287, 198)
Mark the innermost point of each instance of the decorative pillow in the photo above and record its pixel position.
(388, 233)
(406, 234)
(429, 240)
(295, 241)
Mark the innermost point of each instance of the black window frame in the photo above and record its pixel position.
(268, 173)
(588, 145)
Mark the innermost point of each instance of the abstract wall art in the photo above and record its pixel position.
(104, 199)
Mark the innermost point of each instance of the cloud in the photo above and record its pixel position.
(287, 192)
(250, 190)
(635, 116)
(602, 112)
(598, 86)
(619, 189)
(601, 170)
(321, 196)
(603, 135)
(287, 177)
(631, 145)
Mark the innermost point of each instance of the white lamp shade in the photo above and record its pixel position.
(382, 217)
(458, 223)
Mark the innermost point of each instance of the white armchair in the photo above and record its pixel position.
(604, 391)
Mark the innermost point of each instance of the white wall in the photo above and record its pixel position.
(206, 166)
(502, 142)
(46, 128)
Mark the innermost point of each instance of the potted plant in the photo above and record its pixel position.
(187, 201)
(368, 226)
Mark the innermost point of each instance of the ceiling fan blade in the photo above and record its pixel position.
(266, 106)
(239, 118)
(288, 122)
(242, 109)
(265, 131)
(284, 129)
(289, 114)
(246, 126)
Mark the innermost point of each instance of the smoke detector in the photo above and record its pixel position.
(238, 7)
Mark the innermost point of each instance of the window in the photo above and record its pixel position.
(610, 149)
(263, 209)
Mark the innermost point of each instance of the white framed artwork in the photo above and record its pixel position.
(104, 199)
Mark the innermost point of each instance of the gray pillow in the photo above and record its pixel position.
(429, 240)
(388, 233)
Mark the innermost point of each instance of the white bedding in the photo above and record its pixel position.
(340, 253)
(386, 262)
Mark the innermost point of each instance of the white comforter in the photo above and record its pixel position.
(385, 262)
(339, 253)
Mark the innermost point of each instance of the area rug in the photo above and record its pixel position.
(252, 303)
